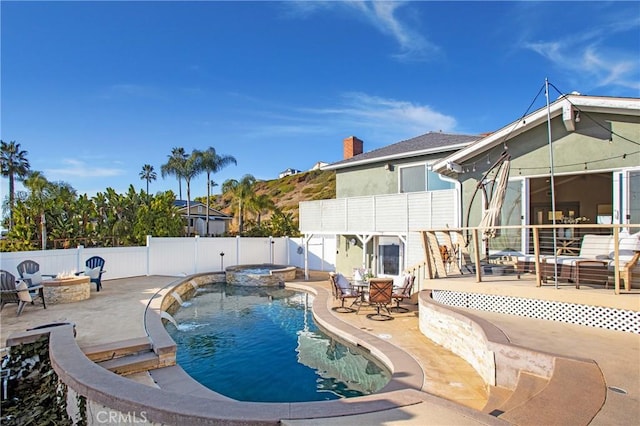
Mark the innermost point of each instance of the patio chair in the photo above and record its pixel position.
(29, 270)
(342, 290)
(94, 268)
(380, 291)
(10, 292)
(401, 293)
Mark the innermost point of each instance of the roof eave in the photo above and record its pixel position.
(396, 156)
(626, 106)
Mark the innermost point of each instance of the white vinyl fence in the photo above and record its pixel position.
(181, 256)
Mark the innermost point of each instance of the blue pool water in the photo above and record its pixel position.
(261, 345)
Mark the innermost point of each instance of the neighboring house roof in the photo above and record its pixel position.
(429, 143)
(566, 106)
(213, 213)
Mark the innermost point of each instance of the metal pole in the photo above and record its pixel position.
(552, 183)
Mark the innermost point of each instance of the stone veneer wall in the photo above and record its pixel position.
(79, 289)
(481, 344)
(461, 336)
(186, 289)
(236, 275)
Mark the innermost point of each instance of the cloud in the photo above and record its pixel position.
(382, 16)
(390, 114)
(384, 120)
(593, 56)
(79, 169)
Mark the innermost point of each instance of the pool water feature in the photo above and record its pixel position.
(260, 274)
(261, 345)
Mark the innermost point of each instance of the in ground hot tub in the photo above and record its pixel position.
(260, 275)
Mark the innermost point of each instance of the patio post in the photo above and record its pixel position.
(616, 259)
(536, 254)
(476, 255)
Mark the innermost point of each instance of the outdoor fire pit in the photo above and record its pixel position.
(66, 289)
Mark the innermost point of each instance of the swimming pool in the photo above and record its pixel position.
(262, 345)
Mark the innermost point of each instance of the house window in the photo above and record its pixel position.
(418, 178)
(199, 209)
(413, 178)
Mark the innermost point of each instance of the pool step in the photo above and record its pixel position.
(131, 364)
(497, 397)
(528, 386)
(574, 395)
(107, 351)
(125, 356)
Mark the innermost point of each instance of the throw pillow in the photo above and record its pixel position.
(35, 278)
(343, 283)
(23, 291)
(92, 273)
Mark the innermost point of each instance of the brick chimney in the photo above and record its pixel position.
(352, 146)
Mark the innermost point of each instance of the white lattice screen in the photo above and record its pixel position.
(593, 316)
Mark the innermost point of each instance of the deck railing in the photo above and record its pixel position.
(573, 253)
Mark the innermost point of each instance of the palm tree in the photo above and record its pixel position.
(174, 166)
(210, 162)
(148, 174)
(259, 204)
(243, 191)
(13, 164)
(188, 171)
(40, 196)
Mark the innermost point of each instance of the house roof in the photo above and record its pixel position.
(566, 106)
(213, 213)
(429, 143)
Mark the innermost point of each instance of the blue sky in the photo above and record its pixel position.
(94, 90)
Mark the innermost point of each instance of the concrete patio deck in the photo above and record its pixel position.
(116, 314)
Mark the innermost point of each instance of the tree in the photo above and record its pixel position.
(13, 164)
(173, 167)
(259, 204)
(148, 174)
(210, 162)
(242, 191)
(39, 199)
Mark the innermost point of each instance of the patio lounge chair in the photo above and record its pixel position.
(94, 270)
(401, 293)
(596, 261)
(342, 290)
(380, 291)
(10, 292)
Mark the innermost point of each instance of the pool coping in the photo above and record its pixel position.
(203, 406)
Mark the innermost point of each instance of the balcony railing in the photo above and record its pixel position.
(389, 213)
(564, 253)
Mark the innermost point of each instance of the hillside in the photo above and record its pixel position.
(288, 191)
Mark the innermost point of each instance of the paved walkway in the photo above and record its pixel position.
(116, 314)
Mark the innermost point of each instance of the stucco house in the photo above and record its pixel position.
(588, 146)
(384, 197)
(218, 221)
